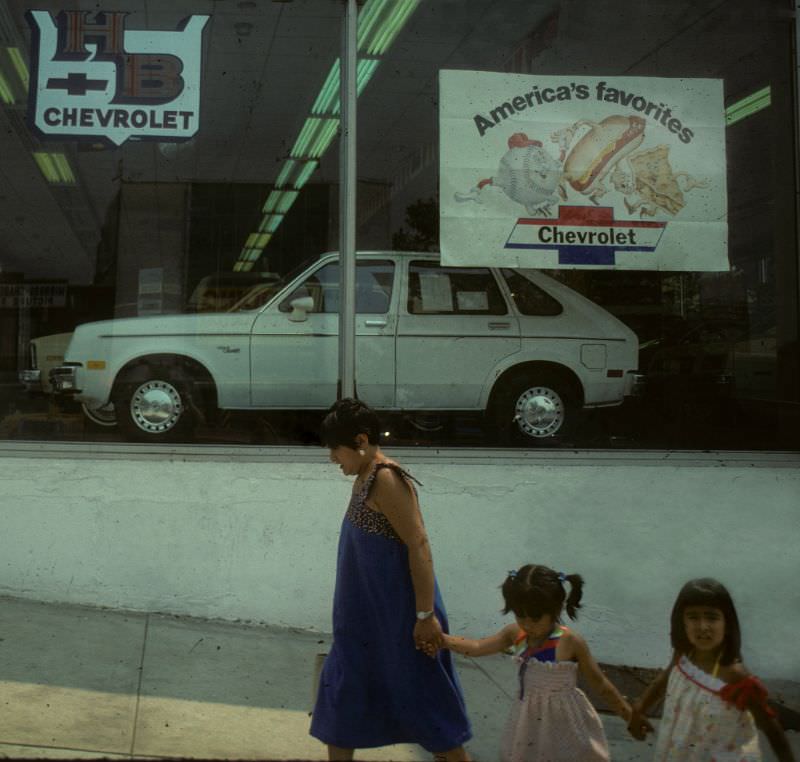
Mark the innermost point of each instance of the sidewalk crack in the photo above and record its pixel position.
(139, 684)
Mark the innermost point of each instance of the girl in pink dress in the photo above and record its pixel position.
(713, 704)
(551, 719)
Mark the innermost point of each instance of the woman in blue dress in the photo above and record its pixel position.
(377, 686)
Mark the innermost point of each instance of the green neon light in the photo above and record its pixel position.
(5, 91)
(389, 30)
(63, 168)
(328, 99)
(322, 140)
(310, 128)
(366, 68)
(368, 20)
(47, 166)
(272, 199)
(270, 223)
(302, 178)
(748, 106)
(19, 65)
(249, 255)
(286, 202)
(257, 241)
(287, 170)
(243, 267)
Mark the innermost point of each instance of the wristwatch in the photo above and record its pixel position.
(422, 615)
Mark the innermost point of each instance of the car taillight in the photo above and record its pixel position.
(614, 374)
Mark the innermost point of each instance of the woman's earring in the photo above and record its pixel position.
(361, 453)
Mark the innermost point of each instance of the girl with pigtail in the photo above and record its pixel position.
(551, 718)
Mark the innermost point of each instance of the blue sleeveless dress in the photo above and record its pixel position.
(375, 688)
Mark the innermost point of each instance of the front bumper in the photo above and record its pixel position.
(64, 379)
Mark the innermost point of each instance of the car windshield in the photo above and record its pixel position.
(261, 293)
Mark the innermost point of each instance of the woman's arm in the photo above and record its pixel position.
(494, 644)
(394, 498)
(638, 725)
(590, 669)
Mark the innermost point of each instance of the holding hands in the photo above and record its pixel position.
(428, 636)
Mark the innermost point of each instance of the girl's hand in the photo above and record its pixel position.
(638, 725)
(428, 635)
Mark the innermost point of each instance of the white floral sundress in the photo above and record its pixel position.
(697, 725)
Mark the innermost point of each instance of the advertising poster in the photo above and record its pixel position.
(582, 172)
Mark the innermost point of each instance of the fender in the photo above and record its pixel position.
(528, 356)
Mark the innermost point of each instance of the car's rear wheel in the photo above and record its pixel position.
(155, 405)
(538, 408)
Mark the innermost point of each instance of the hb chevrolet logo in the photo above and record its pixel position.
(93, 78)
(585, 235)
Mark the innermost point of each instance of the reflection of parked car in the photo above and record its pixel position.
(525, 349)
(47, 353)
(217, 293)
(44, 354)
(711, 364)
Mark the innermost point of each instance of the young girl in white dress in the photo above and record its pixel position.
(713, 704)
(551, 719)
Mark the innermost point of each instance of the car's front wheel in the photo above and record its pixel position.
(105, 416)
(537, 408)
(155, 405)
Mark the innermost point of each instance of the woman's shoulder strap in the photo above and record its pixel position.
(399, 470)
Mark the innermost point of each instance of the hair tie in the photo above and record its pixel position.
(562, 577)
(512, 574)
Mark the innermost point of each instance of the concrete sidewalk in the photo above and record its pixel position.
(89, 683)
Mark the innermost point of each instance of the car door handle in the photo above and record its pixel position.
(375, 323)
(494, 326)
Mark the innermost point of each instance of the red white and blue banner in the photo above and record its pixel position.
(582, 172)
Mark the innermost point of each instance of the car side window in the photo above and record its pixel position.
(374, 281)
(437, 290)
(529, 298)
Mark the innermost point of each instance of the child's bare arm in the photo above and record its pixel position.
(755, 699)
(494, 644)
(590, 669)
(639, 726)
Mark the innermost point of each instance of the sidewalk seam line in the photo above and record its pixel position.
(139, 684)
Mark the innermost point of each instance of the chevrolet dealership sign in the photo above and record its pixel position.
(92, 78)
(582, 172)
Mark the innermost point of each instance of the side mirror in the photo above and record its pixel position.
(300, 308)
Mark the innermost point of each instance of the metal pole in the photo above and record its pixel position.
(347, 205)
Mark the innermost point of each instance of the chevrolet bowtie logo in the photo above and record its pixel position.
(585, 235)
(76, 84)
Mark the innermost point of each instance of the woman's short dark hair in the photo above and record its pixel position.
(534, 590)
(707, 592)
(345, 420)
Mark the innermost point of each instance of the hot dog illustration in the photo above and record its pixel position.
(588, 162)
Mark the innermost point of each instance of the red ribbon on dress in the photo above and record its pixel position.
(747, 691)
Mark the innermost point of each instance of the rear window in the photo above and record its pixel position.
(529, 298)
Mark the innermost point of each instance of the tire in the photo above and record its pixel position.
(536, 409)
(154, 404)
(105, 417)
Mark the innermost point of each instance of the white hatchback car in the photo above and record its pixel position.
(517, 345)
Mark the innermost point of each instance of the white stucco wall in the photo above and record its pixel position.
(251, 534)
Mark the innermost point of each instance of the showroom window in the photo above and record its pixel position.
(170, 184)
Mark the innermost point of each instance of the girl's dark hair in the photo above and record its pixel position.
(345, 420)
(534, 590)
(707, 592)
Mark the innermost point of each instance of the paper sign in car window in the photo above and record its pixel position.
(434, 288)
(472, 301)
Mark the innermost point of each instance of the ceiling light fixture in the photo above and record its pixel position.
(55, 167)
(19, 66)
(379, 23)
(748, 106)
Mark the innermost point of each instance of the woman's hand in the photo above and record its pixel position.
(428, 635)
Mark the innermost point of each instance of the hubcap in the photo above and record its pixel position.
(539, 412)
(156, 407)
